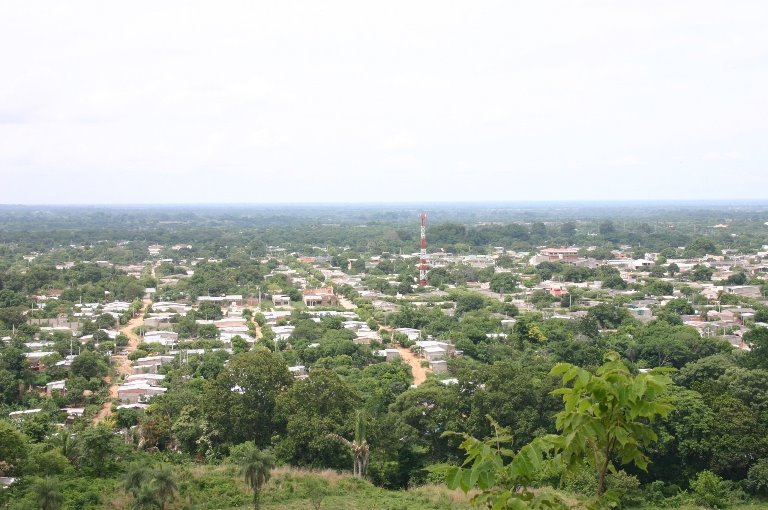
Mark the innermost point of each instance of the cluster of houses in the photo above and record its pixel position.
(146, 380)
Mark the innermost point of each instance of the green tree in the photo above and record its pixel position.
(239, 344)
(208, 331)
(13, 448)
(48, 494)
(149, 487)
(97, 446)
(89, 364)
(240, 401)
(701, 246)
(679, 306)
(609, 316)
(710, 490)
(757, 339)
(606, 415)
(135, 478)
(317, 489)
(504, 282)
(312, 409)
(757, 478)
(106, 321)
(502, 484)
(468, 301)
(146, 498)
(163, 484)
(359, 446)
(255, 466)
(701, 273)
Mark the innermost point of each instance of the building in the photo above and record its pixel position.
(281, 300)
(298, 371)
(150, 364)
(560, 254)
(434, 353)
(389, 354)
(60, 386)
(320, 297)
(438, 366)
(140, 391)
(161, 337)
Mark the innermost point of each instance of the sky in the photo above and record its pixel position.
(398, 101)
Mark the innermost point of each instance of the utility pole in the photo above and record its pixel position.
(423, 251)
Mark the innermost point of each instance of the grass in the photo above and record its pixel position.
(220, 487)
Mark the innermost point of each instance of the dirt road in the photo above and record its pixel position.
(122, 364)
(419, 373)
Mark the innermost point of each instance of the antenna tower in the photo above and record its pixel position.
(423, 259)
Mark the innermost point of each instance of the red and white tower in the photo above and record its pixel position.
(423, 259)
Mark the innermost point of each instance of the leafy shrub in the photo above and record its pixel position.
(757, 478)
(710, 490)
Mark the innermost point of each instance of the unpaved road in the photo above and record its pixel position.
(123, 365)
(419, 372)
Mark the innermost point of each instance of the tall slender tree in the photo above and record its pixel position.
(48, 494)
(256, 467)
(163, 484)
(359, 447)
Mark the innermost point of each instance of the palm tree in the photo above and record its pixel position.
(256, 466)
(135, 478)
(360, 448)
(163, 485)
(48, 494)
(63, 440)
(146, 498)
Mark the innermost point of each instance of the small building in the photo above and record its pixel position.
(151, 379)
(74, 412)
(60, 386)
(281, 300)
(132, 393)
(560, 254)
(150, 364)
(6, 481)
(320, 297)
(132, 406)
(641, 313)
(298, 371)
(434, 353)
(752, 291)
(438, 366)
(389, 354)
(161, 337)
(20, 415)
(411, 333)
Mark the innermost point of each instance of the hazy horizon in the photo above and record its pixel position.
(416, 204)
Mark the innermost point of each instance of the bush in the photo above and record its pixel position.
(757, 478)
(628, 487)
(710, 490)
(138, 353)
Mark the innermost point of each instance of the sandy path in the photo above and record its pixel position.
(346, 303)
(419, 373)
(257, 329)
(122, 364)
